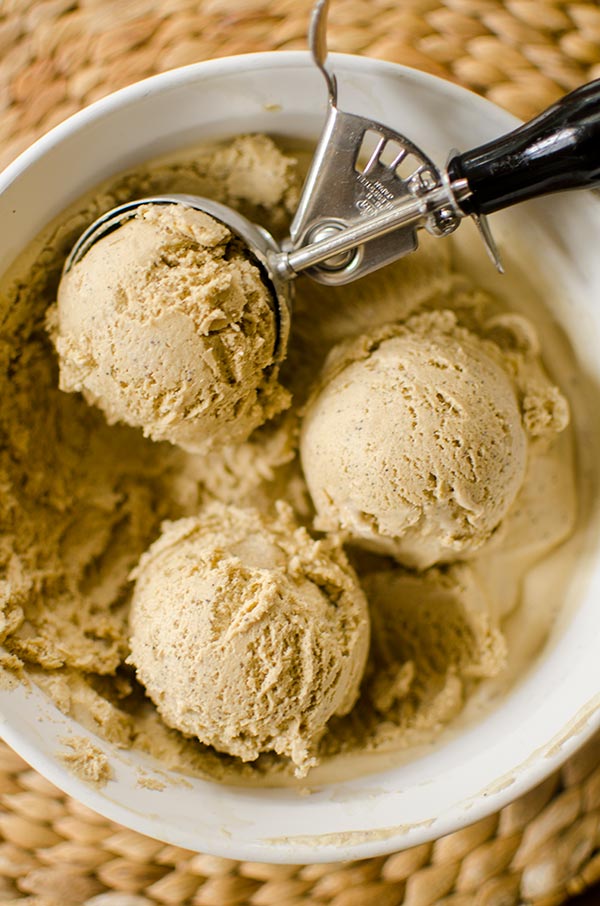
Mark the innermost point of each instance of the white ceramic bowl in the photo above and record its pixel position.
(556, 706)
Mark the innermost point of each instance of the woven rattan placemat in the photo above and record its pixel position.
(55, 57)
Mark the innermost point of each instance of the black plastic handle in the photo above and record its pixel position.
(559, 149)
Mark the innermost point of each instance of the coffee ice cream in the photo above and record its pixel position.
(260, 627)
(247, 634)
(433, 637)
(416, 441)
(166, 324)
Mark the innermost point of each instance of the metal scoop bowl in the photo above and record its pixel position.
(259, 243)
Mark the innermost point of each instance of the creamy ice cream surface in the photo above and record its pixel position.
(433, 637)
(248, 634)
(244, 634)
(166, 324)
(416, 441)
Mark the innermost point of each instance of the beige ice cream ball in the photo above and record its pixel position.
(247, 633)
(166, 324)
(416, 441)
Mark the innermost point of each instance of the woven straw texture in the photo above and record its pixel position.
(55, 57)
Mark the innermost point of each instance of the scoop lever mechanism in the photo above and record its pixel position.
(370, 188)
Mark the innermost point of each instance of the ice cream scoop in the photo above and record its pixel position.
(370, 188)
(415, 442)
(247, 633)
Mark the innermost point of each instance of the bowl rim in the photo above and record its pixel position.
(537, 767)
(131, 94)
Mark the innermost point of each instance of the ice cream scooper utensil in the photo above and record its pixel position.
(369, 189)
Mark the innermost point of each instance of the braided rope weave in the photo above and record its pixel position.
(59, 55)
(539, 850)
